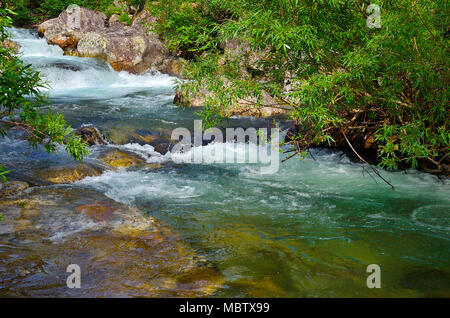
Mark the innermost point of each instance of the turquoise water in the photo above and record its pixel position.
(309, 230)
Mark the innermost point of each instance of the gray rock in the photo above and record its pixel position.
(83, 32)
(71, 25)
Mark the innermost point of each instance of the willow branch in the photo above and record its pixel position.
(365, 162)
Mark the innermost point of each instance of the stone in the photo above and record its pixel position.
(159, 140)
(268, 106)
(68, 173)
(46, 25)
(126, 48)
(12, 188)
(71, 25)
(173, 67)
(190, 99)
(7, 43)
(142, 19)
(97, 212)
(120, 159)
(236, 48)
(91, 135)
(114, 20)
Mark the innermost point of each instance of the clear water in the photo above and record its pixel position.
(310, 230)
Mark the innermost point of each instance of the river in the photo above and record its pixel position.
(310, 230)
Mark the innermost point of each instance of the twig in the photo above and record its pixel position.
(286, 159)
(365, 162)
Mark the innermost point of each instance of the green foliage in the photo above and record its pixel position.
(124, 17)
(52, 8)
(32, 11)
(3, 173)
(187, 30)
(23, 10)
(320, 60)
(21, 99)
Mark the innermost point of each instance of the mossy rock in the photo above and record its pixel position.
(120, 159)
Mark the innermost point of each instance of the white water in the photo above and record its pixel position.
(87, 78)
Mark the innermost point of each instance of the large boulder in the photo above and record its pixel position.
(125, 48)
(267, 107)
(142, 19)
(249, 58)
(114, 20)
(71, 25)
(191, 99)
(174, 67)
(86, 33)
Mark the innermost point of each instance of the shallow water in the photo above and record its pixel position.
(309, 230)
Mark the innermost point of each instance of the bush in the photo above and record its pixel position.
(33, 11)
(390, 83)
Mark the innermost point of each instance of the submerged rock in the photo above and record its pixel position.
(160, 140)
(67, 173)
(121, 252)
(12, 188)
